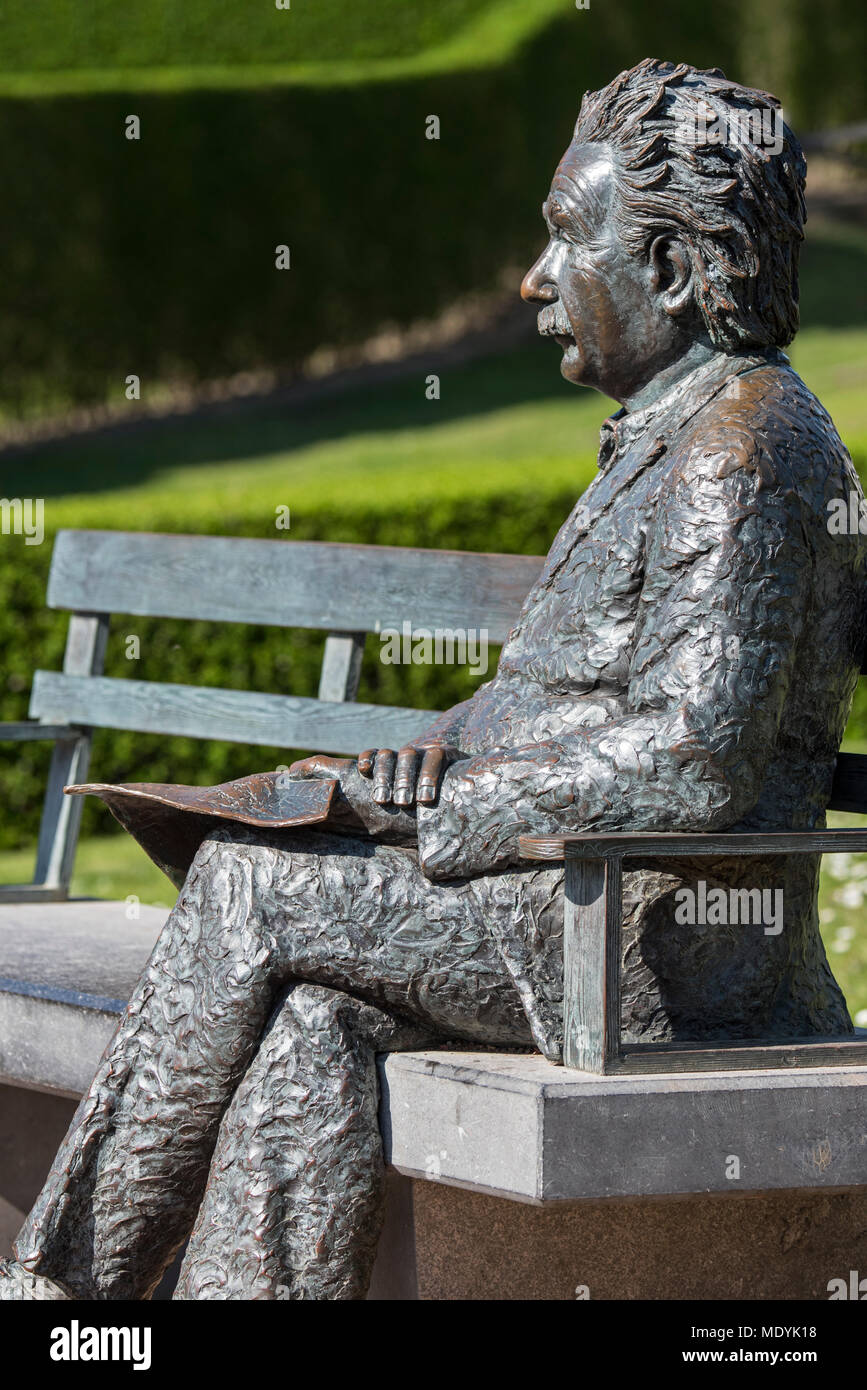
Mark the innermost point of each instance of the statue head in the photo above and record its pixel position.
(675, 219)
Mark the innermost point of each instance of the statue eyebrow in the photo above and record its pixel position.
(555, 215)
(559, 219)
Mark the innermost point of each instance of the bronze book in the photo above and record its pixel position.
(170, 822)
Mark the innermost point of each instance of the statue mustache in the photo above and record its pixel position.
(553, 320)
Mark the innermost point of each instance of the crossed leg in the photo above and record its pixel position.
(293, 1206)
(263, 1119)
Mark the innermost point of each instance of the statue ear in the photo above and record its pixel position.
(671, 273)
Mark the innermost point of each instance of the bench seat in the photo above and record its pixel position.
(66, 972)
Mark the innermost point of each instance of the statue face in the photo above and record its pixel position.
(599, 301)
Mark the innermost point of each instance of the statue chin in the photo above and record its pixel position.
(572, 365)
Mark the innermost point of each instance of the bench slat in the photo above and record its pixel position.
(345, 588)
(32, 732)
(234, 716)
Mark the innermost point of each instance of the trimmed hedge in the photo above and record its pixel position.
(157, 257)
(238, 656)
(255, 658)
(202, 33)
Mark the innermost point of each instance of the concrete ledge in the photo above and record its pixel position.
(509, 1125)
(515, 1126)
(66, 972)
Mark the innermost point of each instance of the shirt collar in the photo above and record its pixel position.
(689, 393)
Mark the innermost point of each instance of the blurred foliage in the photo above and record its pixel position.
(842, 896)
(196, 34)
(157, 257)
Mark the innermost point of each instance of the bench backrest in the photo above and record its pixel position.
(346, 591)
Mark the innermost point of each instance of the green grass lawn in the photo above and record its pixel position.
(106, 866)
(499, 422)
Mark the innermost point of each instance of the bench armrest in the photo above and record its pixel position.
(647, 844)
(32, 729)
(592, 943)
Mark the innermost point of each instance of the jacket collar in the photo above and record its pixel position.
(625, 428)
(640, 438)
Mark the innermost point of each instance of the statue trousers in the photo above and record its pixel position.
(236, 1107)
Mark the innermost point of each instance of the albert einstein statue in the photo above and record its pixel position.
(686, 661)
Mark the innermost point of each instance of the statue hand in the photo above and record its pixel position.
(357, 804)
(412, 774)
(319, 765)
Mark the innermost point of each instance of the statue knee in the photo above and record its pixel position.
(220, 906)
(310, 1008)
(332, 1020)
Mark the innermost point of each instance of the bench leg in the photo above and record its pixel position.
(591, 958)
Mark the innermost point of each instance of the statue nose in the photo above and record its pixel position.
(536, 287)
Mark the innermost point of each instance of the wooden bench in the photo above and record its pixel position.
(67, 968)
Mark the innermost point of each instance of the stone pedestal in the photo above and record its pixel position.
(32, 1126)
(513, 1179)
(532, 1182)
(784, 1245)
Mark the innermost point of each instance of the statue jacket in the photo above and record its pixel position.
(686, 661)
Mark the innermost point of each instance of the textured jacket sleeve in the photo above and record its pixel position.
(446, 728)
(726, 583)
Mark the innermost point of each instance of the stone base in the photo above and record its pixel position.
(447, 1242)
(780, 1245)
(32, 1126)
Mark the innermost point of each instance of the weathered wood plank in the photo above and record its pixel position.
(341, 665)
(32, 731)
(235, 716)
(58, 833)
(648, 844)
(31, 892)
(344, 588)
(659, 1058)
(849, 791)
(591, 964)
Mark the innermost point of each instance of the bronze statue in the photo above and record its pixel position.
(686, 661)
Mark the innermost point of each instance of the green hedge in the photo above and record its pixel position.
(199, 33)
(156, 257)
(255, 658)
(237, 656)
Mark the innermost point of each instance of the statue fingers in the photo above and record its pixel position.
(383, 774)
(366, 761)
(319, 765)
(431, 770)
(404, 776)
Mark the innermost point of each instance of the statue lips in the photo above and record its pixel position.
(170, 822)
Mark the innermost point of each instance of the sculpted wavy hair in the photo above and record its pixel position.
(738, 204)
